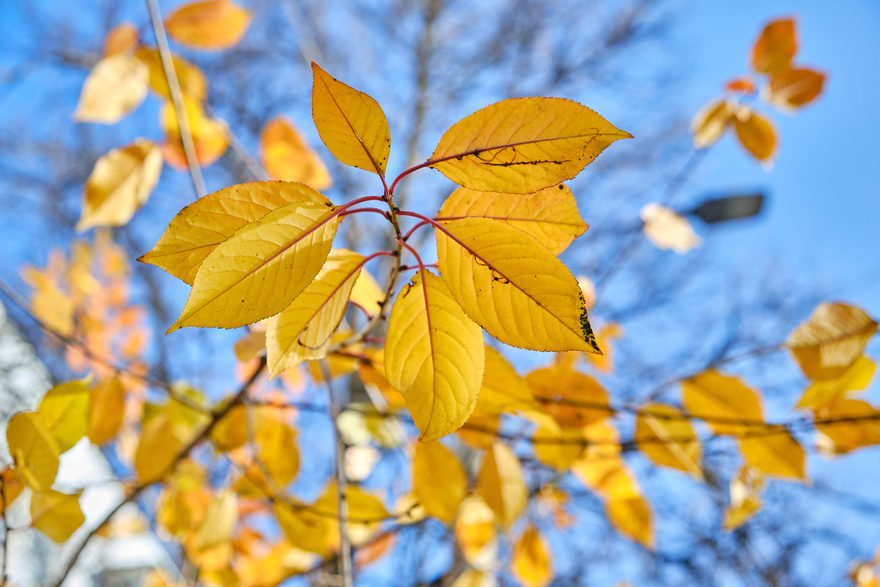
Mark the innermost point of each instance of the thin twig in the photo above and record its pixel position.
(186, 139)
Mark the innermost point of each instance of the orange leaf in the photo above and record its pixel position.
(756, 134)
(211, 24)
(791, 89)
(775, 48)
(286, 155)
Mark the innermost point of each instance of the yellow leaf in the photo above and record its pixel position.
(158, 448)
(856, 378)
(710, 123)
(34, 450)
(745, 498)
(523, 145)
(789, 90)
(480, 429)
(52, 306)
(231, 432)
(210, 136)
(211, 24)
(774, 452)
(219, 522)
(11, 485)
(57, 515)
(512, 286)
(64, 412)
(365, 511)
(666, 437)
(286, 155)
(120, 184)
(434, 356)
(775, 48)
(633, 517)
(116, 86)
(190, 78)
(573, 399)
(439, 480)
(501, 484)
(531, 562)
(604, 338)
(668, 230)
(503, 390)
(848, 424)
(350, 123)
(197, 229)
(123, 38)
(302, 331)
(607, 474)
(259, 270)
(276, 443)
(831, 340)
(475, 529)
(367, 294)
(550, 215)
(251, 345)
(107, 410)
(756, 134)
(472, 578)
(558, 447)
(723, 401)
(304, 529)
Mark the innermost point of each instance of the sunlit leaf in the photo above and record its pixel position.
(210, 24)
(197, 229)
(286, 155)
(667, 229)
(350, 123)
(258, 271)
(531, 562)
(475, 530)
(501, 484)
(219, 522)
(190, 78)
(776, 47)
(367, 294)
(304, 529)
(120, 184)
(57, 515)
(116, 86)
(34, 450)
(726, 404)
(209, 136)
(503, 389)
(789, 90)
(64, 412)
(123, 38)
(522, 145)
(774, 452)
(710, 122)
(831, 340)
(276, 442)
(375, 549)
(12, 487)
(756, 134)
(434, 356)
(550, 215)
(846, 425)
(856, 378)
(49, 303)
(512, 286)
(666, 437)
(107, 410)
(302, 331)
(633, 517)
(439, 480)
(231, 432)
(743, 84)
(745, 498)
(573, 399)
(558, 447)
(159, 445)
(605, 338)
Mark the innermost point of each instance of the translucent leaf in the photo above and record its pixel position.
(856, 378)
(439, 480)
(668, 230)
(258, 271)
(789, 90)
(501, 484)
(107, 410)
(632, 516)
(276, 442)
(120, 184)
(558, 447)
(776, 47)
(550, 215)
(433, 356)
(475, 529)
(724, 402)
(211, 24)
(367, 294)
(190, 78)
(209, 136)
(512, 286)
(303, 330)
(123, 38)
(231, 432)
(710, 123)
(831, 340)
(197, 229)
(774, 452)
(219, 522)
(745, 498)
(304, 529)
(115, 86)
(742, 84)
(756, 134)
(573, 399)
(286, 155)
(64, 412)
(158, 448)
(350, 123)
(34, 450)
(49, 303)
(503, 389)
(846, 425)
(522, 145)
(57, 515)
(666, 437)
(531, 561)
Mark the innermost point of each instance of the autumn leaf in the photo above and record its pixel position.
(122, 39)
(633, 517)
(573, 399)
(789, 90)
(367, 294)
(248, 277)
(856, 378)
(558, 447)
(522, 145)
(503, 390)
(439, 480)
(115, 87)
(433, 356)
(211, 24)
(303, 330)
(120, 184)
(742, 84)
(33, 449)
(11, 485)
(276, 442)
(286, 155)
(52, 306)
(846, 425)
(831, 340)
(756, 134)
(190, 78)
(501, 484)
(475, 529)
(512, 286)
(666, 437)
(776, 47)
(774, 452)
(197, 229)
(710, 123)
(668, 230)
(745, 498)
(726, 404)
(531, 562)
(209, 135)
(219, 522)
(55, 514)
(64, 412)
(550, 215)
(350, 123)
(231, 431)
